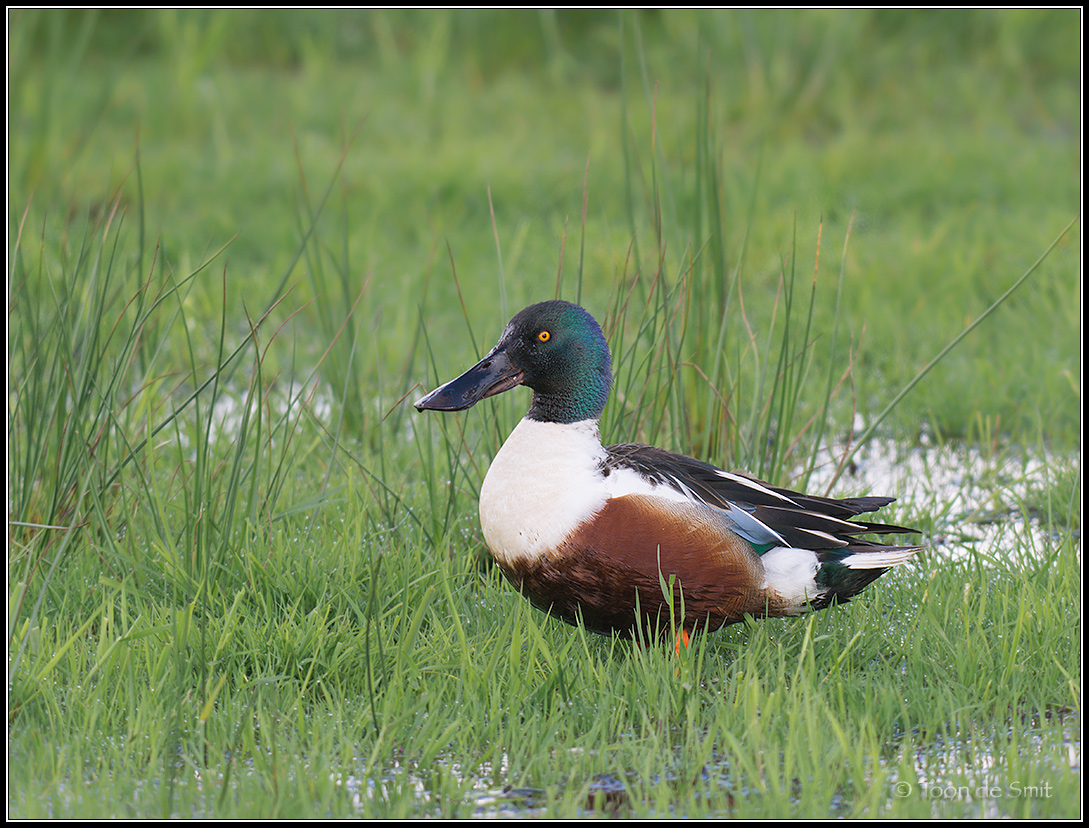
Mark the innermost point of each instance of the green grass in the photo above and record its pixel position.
(246, 578)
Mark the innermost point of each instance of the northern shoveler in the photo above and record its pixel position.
(591, 533)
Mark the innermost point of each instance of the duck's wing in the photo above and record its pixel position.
(804, 521)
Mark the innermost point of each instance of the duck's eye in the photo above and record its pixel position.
(544, 336)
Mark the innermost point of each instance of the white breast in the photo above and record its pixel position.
(545, 481)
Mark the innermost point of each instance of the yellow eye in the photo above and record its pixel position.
(544, 336)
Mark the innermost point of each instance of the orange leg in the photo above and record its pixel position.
(682, 638)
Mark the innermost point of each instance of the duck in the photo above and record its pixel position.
(633, 540)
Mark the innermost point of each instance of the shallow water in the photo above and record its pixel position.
(977, 789)
(958, 775)
(979, 502)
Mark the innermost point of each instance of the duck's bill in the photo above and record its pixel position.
(492, 375)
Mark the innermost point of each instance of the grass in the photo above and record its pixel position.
(246, 580)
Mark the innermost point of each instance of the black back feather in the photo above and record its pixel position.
(806, 521)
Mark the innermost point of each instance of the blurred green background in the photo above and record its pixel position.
(245, 576)
(952, 138)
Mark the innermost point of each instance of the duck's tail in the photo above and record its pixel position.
(803, 580)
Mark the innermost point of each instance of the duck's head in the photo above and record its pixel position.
(555, 348)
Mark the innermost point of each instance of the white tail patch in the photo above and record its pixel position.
(890, 556)
(792, 575)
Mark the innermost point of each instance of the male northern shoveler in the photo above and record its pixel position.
(590, 533)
